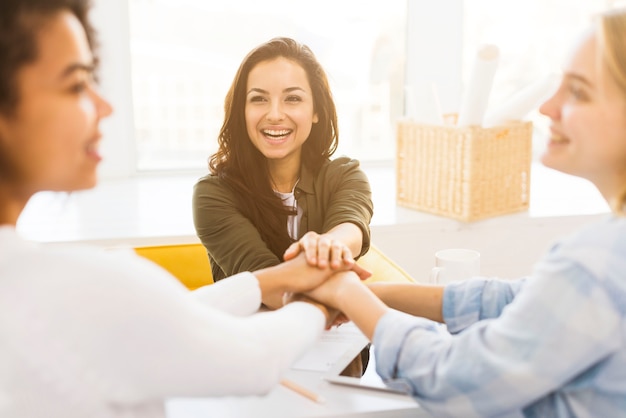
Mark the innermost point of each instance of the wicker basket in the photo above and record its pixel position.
(468, 173)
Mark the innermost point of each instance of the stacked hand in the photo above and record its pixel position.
(333, 316)
(328, 296)
(323, 251)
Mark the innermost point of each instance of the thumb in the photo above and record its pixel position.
(292, 251)
(361, 272)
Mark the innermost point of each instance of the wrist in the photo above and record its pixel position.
(346, 287)
(299, 297)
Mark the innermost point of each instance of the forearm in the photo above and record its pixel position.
(415, 299)
(350, 235)
(362, 306)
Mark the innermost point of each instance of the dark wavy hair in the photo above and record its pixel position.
(237, 161)
(20, 21)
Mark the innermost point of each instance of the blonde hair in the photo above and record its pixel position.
(612, 47)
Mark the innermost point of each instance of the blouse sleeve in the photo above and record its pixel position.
(516, 358)
(140, 335)
(231, 239)
(469, 301)
(350, 197)
(239, 295)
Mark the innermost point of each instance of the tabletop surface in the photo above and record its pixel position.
(335, 349)
(339, 401)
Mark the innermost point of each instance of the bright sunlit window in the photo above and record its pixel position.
(184, 55)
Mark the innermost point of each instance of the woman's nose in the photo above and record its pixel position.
(103, 107)
(552, 105)
(275, 112)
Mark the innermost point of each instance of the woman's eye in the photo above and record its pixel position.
(78, 87)
(293, 99)
(257, 99)
(577, 93)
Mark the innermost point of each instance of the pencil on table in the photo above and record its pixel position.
(302, 391)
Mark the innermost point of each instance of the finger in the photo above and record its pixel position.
(308, 243)
(346, 261)
(347, 254)
(361, 272)
(341, 318)
(292, 251)
(323, 251)
(337, 254)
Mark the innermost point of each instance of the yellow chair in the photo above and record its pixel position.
(190, 264)
(383, 268)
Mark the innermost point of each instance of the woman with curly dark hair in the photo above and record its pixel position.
(272, 182)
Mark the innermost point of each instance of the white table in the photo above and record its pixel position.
(340, 401)
(332, 352)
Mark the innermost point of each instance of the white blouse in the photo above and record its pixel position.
(89, 333)
(293, 221)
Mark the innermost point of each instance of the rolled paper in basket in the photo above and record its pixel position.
(476, 96)
(525, 100)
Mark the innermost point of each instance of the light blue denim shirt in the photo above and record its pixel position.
(550, 345)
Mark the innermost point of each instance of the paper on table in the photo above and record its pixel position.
(334, 344)
(525, 100)
(476, 96)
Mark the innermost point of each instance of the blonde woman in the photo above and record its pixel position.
(551, 345)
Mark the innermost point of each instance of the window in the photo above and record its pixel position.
(169, 63)
(184, 55)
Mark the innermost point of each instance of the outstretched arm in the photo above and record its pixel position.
(413, 298)
(345, 292)
(295, 276)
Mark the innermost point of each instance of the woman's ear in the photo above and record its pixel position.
(315, 118)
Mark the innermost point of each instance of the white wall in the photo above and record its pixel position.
(509, 245)
(434, 48)
(110, 17)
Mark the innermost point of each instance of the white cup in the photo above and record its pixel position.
(454, 264)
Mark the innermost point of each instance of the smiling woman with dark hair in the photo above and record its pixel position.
(272, 182)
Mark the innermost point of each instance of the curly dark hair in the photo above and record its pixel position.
(20, 21)
(244, 168)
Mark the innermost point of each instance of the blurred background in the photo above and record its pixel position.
(169, 63)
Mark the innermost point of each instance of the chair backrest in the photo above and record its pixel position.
(189, 263)
(383, 268)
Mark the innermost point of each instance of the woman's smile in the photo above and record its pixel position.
(275, 135)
